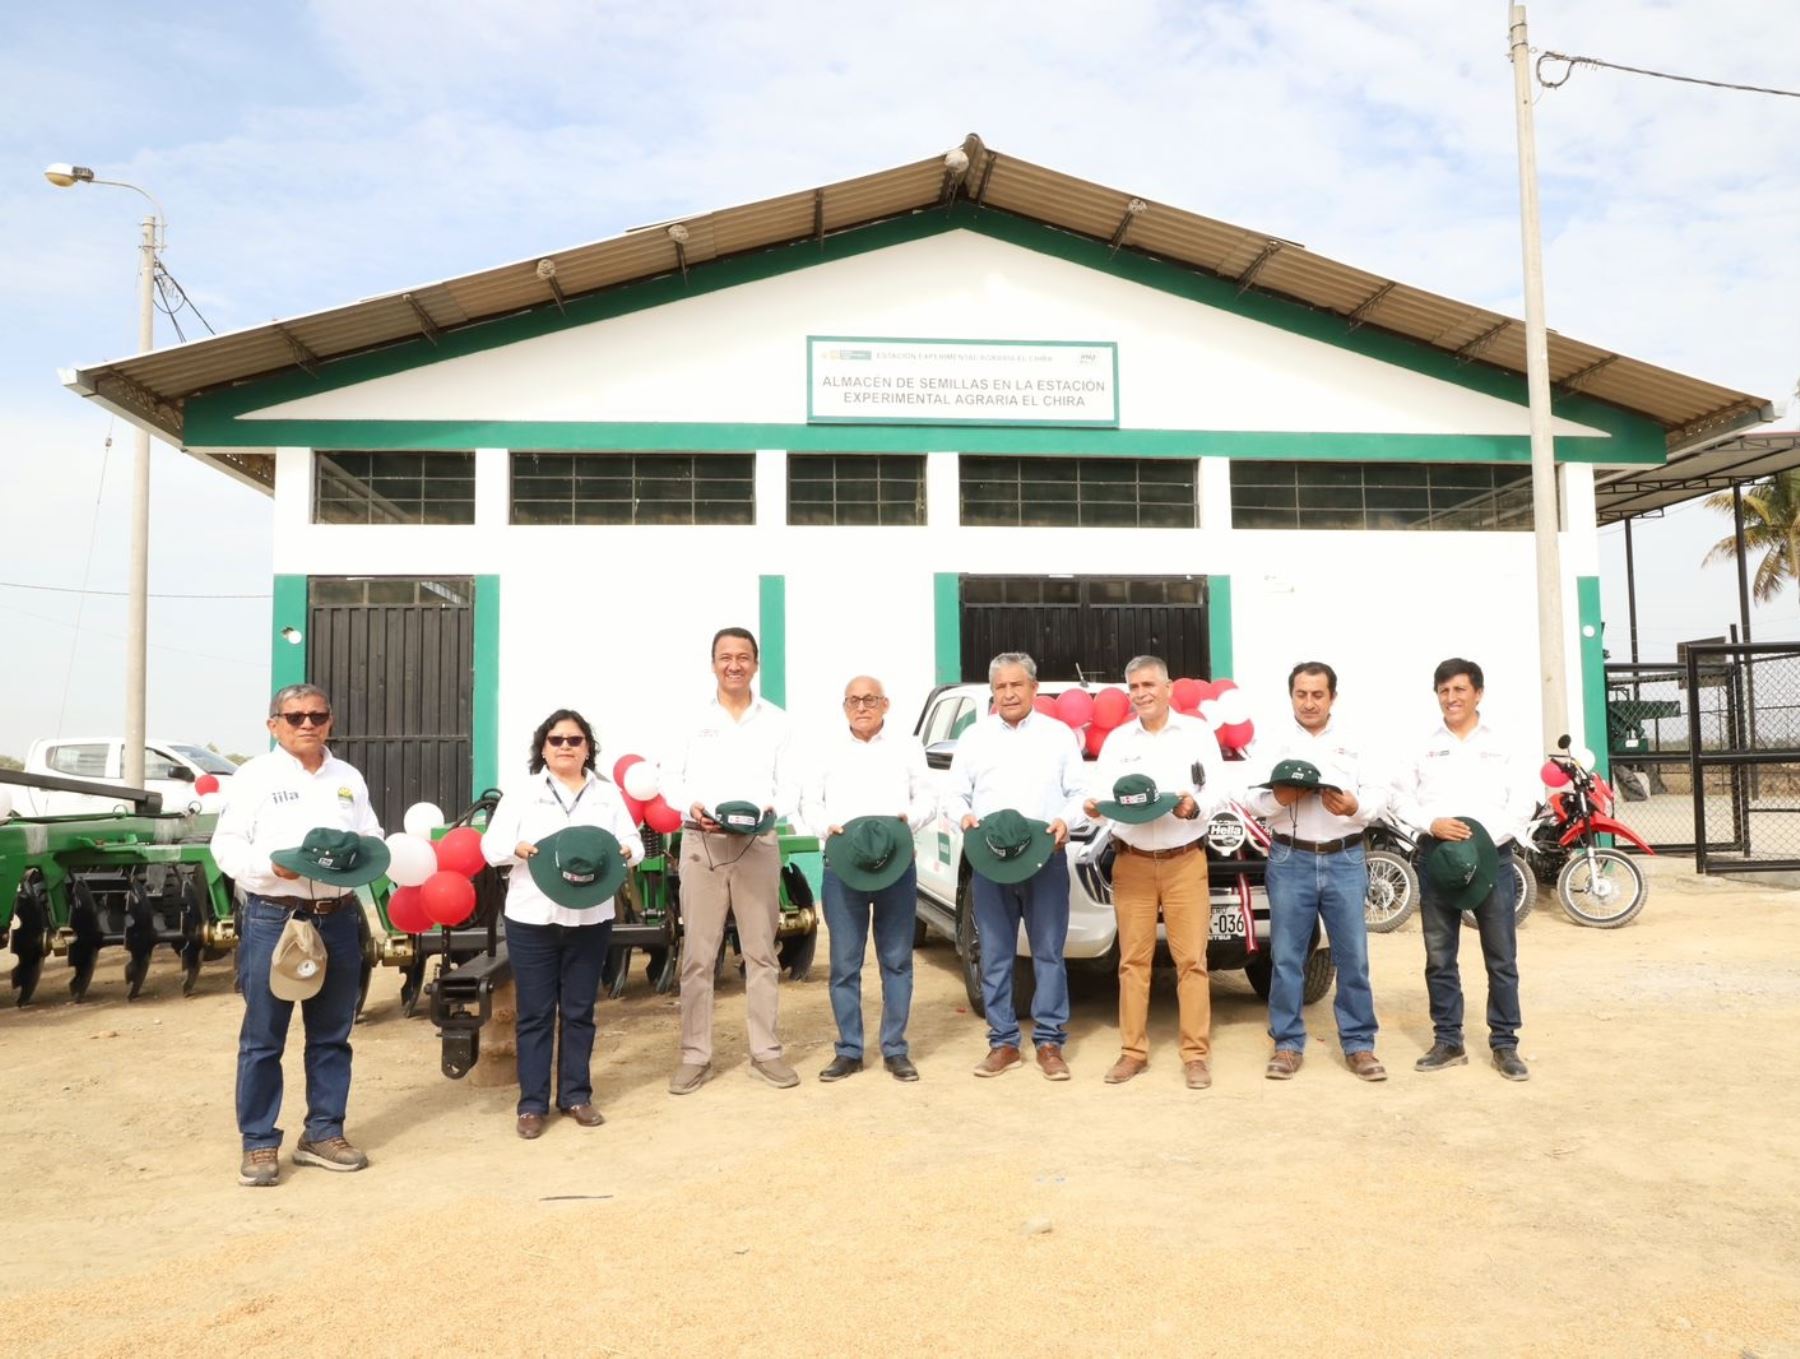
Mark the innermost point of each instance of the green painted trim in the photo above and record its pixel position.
(1218, 626)
(814, 418)
(1593, 669)
(771, 607)
(946, 614)
(288, 609)
(484, 725)
(211, 420)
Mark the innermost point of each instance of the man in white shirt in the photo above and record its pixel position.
(270, 804)
(1468, 772)
(1021, 760)
(1166, 763)
(1316, 871)
(868, 772)
(737, 751)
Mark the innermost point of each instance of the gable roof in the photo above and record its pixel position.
(151, 389)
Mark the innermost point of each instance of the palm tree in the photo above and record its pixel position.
(1771, 525)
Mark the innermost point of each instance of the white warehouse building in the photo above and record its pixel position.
(895, 425)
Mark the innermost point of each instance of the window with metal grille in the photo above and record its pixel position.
(1079, 492)
(633, 488)
(393, 488)
(856, 488)
(1380, 495)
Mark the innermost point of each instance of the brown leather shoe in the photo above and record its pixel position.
(531, 1126)
(1198, 1073)
(1001, 1059)
(1124, 1069)
(1364, 1066)
(1050, 1062)
(1283, 1064)
(586, 1115)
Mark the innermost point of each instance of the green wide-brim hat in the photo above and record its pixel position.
(1463, 871)
(1135, 801)
(579, 867)
(870, 853)
(1006, 847)
(743, 818)
(340, 857)
(1298, 774)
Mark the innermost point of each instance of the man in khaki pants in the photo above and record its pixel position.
(734, 779)
(1158, 780)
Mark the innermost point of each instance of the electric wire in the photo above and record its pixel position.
(1573, 62)
(83, 590)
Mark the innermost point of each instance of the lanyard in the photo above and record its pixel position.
(568, 808)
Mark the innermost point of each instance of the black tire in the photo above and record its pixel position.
(921, 935)
(1315, 981)
(968, 947)
(1524, 903)
(1259, 971)
(1393, 893)
(1605, 893)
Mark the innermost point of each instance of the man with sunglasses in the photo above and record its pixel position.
(271, 804)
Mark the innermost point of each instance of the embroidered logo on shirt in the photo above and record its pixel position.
(346, 797)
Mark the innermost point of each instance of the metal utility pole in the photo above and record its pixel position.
(1545, 519)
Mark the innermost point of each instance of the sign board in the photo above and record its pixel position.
(853, 380)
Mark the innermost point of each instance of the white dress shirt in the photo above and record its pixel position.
(1481, 775)
(885, 775)
(1340, 759)
(270, 804)
(743, 759)
(1168, 756)
(1034, 768)
(543, 805)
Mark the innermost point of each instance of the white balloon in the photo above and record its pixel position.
(643, 781)
(1209, 711)
(1584, 757)
(1233, 707)
(6, 802)
(421, 819)
(411, 859)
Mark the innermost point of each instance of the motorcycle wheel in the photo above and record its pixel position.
(1524, 903)
(1393, 891)
(1602, 888)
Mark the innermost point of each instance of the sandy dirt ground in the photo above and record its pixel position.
(1640, 1195)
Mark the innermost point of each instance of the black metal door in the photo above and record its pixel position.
(1085, 627)
(397, 657)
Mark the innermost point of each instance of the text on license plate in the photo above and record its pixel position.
(1228, 923)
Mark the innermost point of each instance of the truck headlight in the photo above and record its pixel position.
(1225, 833)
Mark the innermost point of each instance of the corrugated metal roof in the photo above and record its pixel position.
(1713, 466)
(151, 388)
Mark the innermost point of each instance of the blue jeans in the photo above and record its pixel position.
(327, 1017)
(1305, 888)
(847, 913)
(556, 971)
(1499, 930)
(1042, 902)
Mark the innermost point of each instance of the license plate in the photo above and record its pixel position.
(1228, 924)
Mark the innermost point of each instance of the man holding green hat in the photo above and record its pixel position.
(298, 836)
(1470, 793)
(1016, 788)
(870, 794)
(1158, 780)
(1321, 793)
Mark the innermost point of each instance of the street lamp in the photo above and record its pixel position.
(66, 176)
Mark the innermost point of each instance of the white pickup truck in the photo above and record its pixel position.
(170, 768)
(1235, 853)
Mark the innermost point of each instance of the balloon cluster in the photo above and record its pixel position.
(640, 786)
(432, 878)
(1093, 715)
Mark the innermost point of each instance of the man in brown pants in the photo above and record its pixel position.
(1158, 780)
(734, 779)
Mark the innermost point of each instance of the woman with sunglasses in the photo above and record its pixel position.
(557, 951)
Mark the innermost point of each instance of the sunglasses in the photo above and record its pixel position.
(565, 740)
(301, 719)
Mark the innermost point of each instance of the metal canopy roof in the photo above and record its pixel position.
(1713, 466)
(150, 389)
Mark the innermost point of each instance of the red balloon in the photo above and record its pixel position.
(1094, 737)
(448, 897)
(620, 765)
(406, 911)
(1185, 695)
(1235, 735)
(1221, 685)
(460, 852)
(661, 817)
(1043, 703)
(1111, 708)
(633, 808)
(206, 783)
(1075, 706)
(1554, 775)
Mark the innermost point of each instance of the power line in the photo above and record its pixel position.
(82, 590)
(1573, 62)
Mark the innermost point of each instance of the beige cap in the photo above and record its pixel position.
(297, 967)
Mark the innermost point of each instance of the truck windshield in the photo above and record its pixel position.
(209, 761)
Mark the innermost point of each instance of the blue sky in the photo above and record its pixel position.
(312, 153)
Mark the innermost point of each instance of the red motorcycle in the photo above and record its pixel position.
(1596, 885)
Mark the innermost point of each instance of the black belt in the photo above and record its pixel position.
(1317, 846)
(307, 906)
(1176, 852)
